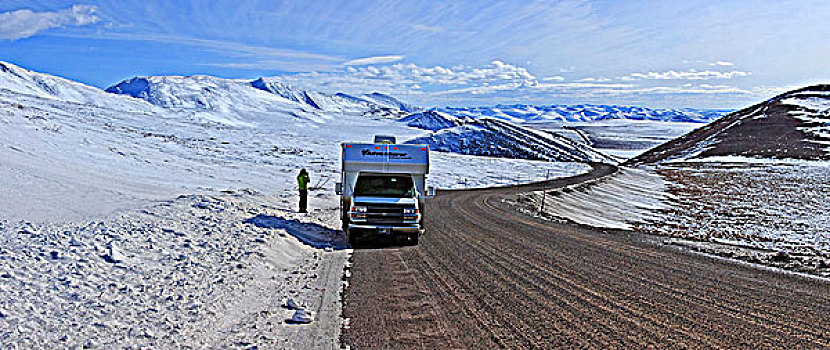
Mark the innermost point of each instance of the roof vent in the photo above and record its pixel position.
(385, 139)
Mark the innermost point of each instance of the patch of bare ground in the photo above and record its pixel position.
(772, 215)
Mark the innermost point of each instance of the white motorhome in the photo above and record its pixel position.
(382, 188)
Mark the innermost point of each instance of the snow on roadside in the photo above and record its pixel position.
(617, 201)
(749, 160)
(195, 271)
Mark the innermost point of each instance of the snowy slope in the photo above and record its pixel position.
(432, 120)
(390, 102)
(277, 87)
(813, 109)
(382, 105)
(519, 113)
(232, 102)
(205, 134)
(498, 138)
(791, 125)
(26, 82)
(126, 224)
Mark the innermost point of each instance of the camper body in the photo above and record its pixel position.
(382, 188)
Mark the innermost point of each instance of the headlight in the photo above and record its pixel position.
(358, 209)
(410, 210)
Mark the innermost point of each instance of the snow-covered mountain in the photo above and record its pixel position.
(795, 124)
(498, 138)
(227, 101)
(239, 102)
(432, 120)
(279, 88)
(390, 102)
(374, 104)
(519, 113)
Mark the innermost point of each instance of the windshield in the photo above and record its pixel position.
(385, 186)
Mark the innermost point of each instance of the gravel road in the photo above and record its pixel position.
(487, 276)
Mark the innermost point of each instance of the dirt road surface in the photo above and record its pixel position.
(486, 276)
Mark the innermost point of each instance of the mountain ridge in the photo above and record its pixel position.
(794, 124)
(521, 113)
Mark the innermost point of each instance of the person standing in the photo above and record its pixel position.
(303, 180)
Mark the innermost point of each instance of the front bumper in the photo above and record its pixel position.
(393, 228)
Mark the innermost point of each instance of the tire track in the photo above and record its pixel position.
(487, 276)
(711, 303)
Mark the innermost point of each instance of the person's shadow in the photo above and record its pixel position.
(312, 234)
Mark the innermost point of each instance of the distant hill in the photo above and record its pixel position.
(499, 138)
(432, 120)
(795, 124)
(520, 113)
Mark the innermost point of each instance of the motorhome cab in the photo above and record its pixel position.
(382, 188)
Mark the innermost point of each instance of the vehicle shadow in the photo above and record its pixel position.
(312, 234)
(372, 242)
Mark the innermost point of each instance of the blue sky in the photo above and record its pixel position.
(710, 54)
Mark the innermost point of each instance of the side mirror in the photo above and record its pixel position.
(338, 188)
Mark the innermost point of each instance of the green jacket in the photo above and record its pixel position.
(303, 181)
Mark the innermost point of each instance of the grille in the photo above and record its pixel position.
(384, 213)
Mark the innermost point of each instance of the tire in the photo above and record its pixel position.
(413, 238)
(352, 237)
(350, 234)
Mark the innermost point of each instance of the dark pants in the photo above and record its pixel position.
(303, 200)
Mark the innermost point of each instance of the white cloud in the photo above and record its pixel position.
(498, 82)
(408, 80)
(584, 85)
(241, 56)
(230, 48)
(497, 72)
(26, 23)
(700, 90)
(426, 28)
(722, 63)
(373, 60)
(690, 74)
(597, 80)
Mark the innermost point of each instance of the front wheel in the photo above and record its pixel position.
(352, 237)
(350, 234)
(413, 238)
